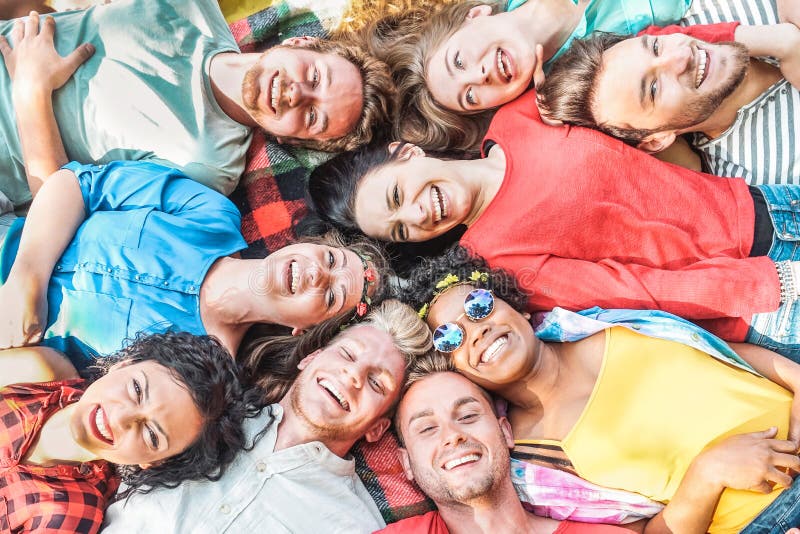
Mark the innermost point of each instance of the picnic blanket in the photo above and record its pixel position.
(270, 197)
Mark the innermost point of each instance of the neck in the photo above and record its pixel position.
(230, 304)
(759, 77)
(547, 22)
(293, 430)
(483, 177)
(533, 392)
(55, 444)
(498, 513)
(226, 73)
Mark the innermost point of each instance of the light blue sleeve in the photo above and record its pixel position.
(131, 185)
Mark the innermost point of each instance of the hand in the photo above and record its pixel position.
(23, 315)
(749, 461)
(33, 62)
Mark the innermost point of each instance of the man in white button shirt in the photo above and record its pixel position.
(296, 477)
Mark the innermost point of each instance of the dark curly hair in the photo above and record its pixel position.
(461, 262)
(331, 195)
(208, 372)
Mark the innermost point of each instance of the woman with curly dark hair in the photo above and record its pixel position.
(165, 409)
(639, 401)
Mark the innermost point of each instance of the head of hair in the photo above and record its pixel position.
(208, 372)
(360, 245)
(427, 366)
(270, 363)
(569, 92)
(331, 194)
(378, 96)
(459, 261)
(406, 41)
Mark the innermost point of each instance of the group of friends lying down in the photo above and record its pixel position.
(554, 253)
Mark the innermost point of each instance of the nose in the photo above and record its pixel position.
(318, 275)
(413, 213)
(478, 75)
(479, 331)
(298, 93)
(452, 434)
(126, 415)
(354, 374)
(676, 59)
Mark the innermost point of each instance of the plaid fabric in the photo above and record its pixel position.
(62, 498)
(270, 197)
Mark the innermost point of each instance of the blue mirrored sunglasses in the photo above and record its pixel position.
(478, 305)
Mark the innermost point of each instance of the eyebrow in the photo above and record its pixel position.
(643, 85)
(147, 398)
(420, 415)
(464, 400)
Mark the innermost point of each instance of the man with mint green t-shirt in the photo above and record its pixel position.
(164, 81)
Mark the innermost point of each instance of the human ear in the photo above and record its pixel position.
(479, 11)
(505, 428)
(308, 359)
(377, 429)
(657, 142)
(302, 42)
(402, 455)
(406, 151)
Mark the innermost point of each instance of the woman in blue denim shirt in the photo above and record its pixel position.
(159, 252)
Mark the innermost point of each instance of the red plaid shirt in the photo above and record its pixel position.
(62, 498)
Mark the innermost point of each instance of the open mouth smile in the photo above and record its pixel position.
(462, 460)
(439, 202)
(494, 349)
(701, 73)
(98, 422)
(293, 277)
(504, 66)
(274, 96)
(334, 392)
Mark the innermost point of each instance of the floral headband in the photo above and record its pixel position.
(370, 276)
(451, 280)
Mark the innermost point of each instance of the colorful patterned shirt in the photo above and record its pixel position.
(56, 499)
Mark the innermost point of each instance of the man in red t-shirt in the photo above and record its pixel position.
(456, 448)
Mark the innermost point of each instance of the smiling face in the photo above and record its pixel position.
(413, 198)
(344, 390)
(310, 283)
(136, 414)
(295, 92)
(669, 82)
(484, 64)
(456, 448)
(497, 350)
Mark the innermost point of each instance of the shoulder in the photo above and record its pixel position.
(431, 523)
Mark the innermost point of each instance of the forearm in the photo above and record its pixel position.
(42, 148)
(772, 365)
(777, 40)
(34, 364)
(691, 508)
(53, 218)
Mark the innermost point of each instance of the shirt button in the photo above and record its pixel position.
(636, 327)
(108, 269)
(261, 467)
(166, 284)
(696, 336)
(58, 267)
(225, 509)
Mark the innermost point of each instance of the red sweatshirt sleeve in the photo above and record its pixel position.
(710, 33)
(709, 289)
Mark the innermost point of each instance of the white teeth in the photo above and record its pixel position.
(702, 59)
(500, 66)
(101, 425)
(275, 93)
(493, 349)
(460, 461)
(335, 392)
(439, 204)
(295, 276)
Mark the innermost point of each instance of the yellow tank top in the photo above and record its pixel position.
(655, 406)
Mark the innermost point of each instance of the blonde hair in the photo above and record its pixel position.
(361, 13)
(409, 333)
(406, 42)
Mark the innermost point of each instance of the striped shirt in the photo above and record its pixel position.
(760, 146)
